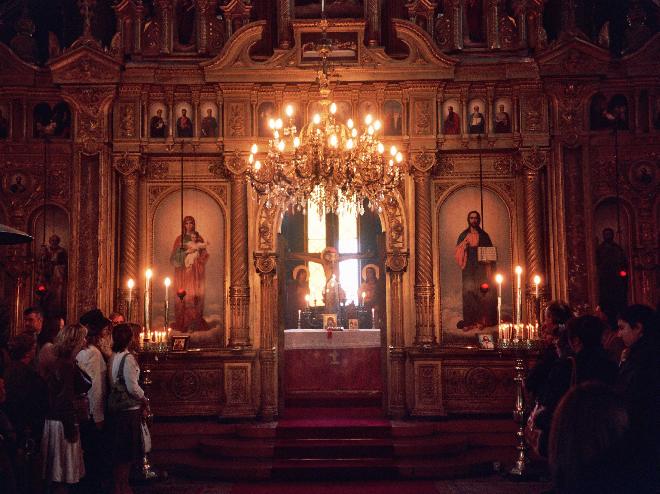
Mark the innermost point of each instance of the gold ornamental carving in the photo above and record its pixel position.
(127, 164)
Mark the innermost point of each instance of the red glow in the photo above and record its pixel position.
(484, 287)
(181, 293)
(623, 273)
(41, 289)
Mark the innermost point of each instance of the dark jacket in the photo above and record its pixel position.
(638, 382)
(60, 378)
(538, 375)
(27, 400)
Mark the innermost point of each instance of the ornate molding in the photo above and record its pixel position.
(126, 164)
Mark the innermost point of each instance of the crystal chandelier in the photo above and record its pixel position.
(328, 164)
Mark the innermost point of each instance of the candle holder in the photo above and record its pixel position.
(514, 344)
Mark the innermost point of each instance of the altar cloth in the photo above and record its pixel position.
(316, 339)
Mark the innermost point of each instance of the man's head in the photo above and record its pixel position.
(451, 109)
(557, 312)
(116, 318)
(159, 112)
(209, 112)
(474, 219)
(184, 112)
(371, 274)
(476, 108)
(33, 319)
(608, 235)
(634, 321)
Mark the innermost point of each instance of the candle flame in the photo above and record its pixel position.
(167, 282)
(499, 278)
(518, 269)
(148, 273)
(537, 279)
(130, 283)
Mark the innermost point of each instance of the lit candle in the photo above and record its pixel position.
(167, 283)
(373, 318)
(364, 294)
(537, 282)
(499, 279)
(147, 301)
(307, 300)
(130, 284)
(299, 312)
(518, 294)
(141, 339)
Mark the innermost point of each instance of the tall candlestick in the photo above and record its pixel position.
(167, 283)
(518, 294)
(364, 294)
(147, 301)
(130, 284)
(373, 318)
(299, 312)
(499, 279)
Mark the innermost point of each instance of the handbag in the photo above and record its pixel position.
(119, 399)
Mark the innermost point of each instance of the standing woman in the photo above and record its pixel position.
(126, 401)
(60, 443)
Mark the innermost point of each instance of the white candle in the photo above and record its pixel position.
(518, 294)
(167, 283)
(537, 282)
(130, 284)
(307, 300)
(364, 294)
(373, 318)
(299, 312)
(147, 300)
(141, 339)
(498, 279)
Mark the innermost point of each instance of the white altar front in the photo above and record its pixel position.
(305, 339)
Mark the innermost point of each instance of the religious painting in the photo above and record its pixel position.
(476, 120)
(17, 183)
(502, 116)
(157, 120)
(330, 321)
(180, 343)
(486, 341)
(598, 112)
(451, 119)
(368, 290)
(191, 252)
(297, 113)
(265, 112)
(612, 242)
(644, 175)
(392, 118)
(52, 122)
(209, 119)
(183, 122)
(474, 23)
(185, 25)
(297, 294)
(52, 242)
(344, 47)
(617, 109)
(367, 107)
(5, 116)
(335, 9)
(344, 111)
(469, 291)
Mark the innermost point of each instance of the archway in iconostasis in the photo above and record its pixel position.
(612, 230)
(51, 248)
(468, 291)
(192, 255)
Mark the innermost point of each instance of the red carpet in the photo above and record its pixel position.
(373, 487)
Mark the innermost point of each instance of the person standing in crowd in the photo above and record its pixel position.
(92, 361)
(639, 382)
(33, 321)
(556, 315)
(125, 417)
(45, 343)
(60, 443)
(26, 407)
(116, 318)
(589, 452)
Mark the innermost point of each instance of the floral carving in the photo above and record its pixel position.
(86, 69)
(423, 118)
(126, 121)
(158, 169)
(185, 384)
(237, 119)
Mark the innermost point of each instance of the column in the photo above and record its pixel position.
(128, 168)
(493, 24)
(373, 22)
(455, 10)
(284, 15)
(520, 10)
(266, 264)
(424, 289)
(203, 8)
(396, 264)
(239, 289)
(166, 22)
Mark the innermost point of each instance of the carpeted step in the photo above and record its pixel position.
(236, 448)
(336, 469)
(435, 446)
(332, 412)
(331, 399)
(333, 448)
(333, 429)
(189, 465)
(473, 462)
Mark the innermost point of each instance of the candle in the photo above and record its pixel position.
(498, 279)
(147, 300)
(167, 282)
(307, 300)
(373, 318)
(141, 339)
(518, 294)
(364, 294)
(130, 284)
(537, 282)
(299, 312)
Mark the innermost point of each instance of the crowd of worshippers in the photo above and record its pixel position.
(595, 412)
(73, 417)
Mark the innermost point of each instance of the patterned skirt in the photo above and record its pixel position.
(63, 460)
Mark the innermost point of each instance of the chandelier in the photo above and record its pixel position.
(329, 165)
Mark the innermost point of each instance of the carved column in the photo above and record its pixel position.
(424, 289)
(128, 167)
(520, 10)
(239, 289)
(204, 8)
(456, 13)
(138, 24)
(397, 263)
(492, 24)
(284, 20)
(266, 264)
(372, 13)
(166, 24)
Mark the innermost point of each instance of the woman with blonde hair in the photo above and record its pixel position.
(60, 444)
